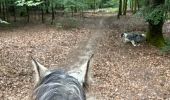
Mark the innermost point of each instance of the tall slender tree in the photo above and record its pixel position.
(120, 9)
(125, 7)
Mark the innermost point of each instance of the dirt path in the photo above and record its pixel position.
(86, 49)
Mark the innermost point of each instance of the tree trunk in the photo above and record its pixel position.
(125, 7)
(120, 9)
(154, 34)
(14, 13)
(6, 10)
(0, 8)
(72, 11)
(138, 5)
(46, 6)
(3, 11)
(131, 5)
(28, 14)
(94, 5)
(53, 15)
(42, 15)
(135, 7)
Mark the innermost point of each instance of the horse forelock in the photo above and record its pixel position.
(59, 86)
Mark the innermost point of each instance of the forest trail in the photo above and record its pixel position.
(88, 47)
(79, 56)
(119, 71)
(52, 47)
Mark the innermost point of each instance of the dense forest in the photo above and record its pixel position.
(25, 8)
(155, 12)
(21, 8)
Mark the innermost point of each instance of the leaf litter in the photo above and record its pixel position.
(119, 71)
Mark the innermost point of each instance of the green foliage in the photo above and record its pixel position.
(101, 3)
(166, 49)
(109, 3)
(28, 7)
(28, 2)
(93, 1)
(54, 3)
(69, 5)
(93, 4)
(68, 23)
(154, 16)
(167, 5)
(74, 5)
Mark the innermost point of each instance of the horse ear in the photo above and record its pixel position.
(87, 76)
(81, 73)
(40, 70)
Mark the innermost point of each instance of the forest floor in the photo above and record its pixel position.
(119, 71)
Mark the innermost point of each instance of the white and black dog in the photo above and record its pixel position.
(133, 38)
(60, 85)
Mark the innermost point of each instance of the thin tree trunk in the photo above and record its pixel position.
(125, 7)
(14, 13)
(28, 14)
(46, 6)
(120, 9)
(138, 5)
(72, 11)
(53, 15)
(132, 5)
(0, 8)
(35, 13)
(3, 10)
(135, 6)
(82, 13)
(94, 5)
(42, 15)
(63, 10)
(6, 10)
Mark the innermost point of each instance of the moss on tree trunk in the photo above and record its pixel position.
(155, 36)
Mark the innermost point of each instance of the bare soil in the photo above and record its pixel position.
(119, 71)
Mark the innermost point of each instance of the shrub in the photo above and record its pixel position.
(166, 49)
(68, 23)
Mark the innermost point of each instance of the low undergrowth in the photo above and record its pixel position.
(166, 49)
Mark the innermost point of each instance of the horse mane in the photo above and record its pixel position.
(59, 86)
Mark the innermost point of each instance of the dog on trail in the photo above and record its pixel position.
(60, 85)
(133, 38)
